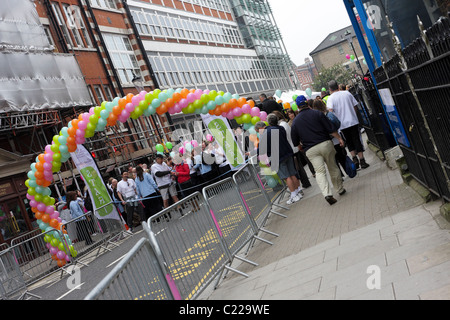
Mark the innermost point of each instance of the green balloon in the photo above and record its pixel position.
(255, 120)
(159, 148)
(246, 118)
(169, 145)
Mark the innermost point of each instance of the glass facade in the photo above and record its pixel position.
(213, 53)
(260, 32)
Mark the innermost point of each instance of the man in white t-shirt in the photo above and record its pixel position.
(126, 190)
(343, 104)
(163, 177)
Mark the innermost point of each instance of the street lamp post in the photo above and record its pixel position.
(348, 35)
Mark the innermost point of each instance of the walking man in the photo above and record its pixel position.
(126, 190)
(311, 131)
(343, 104)
(286, 169)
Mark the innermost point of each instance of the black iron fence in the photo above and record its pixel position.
(419, 80)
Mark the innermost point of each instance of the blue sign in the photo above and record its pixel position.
(394, 118)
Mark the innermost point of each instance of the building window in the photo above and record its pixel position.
(123, 57)
(110, 4)
(72, 25)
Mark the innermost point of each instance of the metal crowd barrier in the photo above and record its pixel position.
(87, 233)
(193, 242)
(32, 257)
(11, 278)
(138, 276)
(254, 197)
(190, 245)
(233, 221)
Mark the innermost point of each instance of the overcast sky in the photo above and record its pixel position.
(305, 24)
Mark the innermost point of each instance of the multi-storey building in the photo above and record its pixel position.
(306, 74)
(117, 47)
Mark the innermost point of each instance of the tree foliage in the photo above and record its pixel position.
(337, 72)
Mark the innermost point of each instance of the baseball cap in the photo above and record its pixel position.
(301, 101)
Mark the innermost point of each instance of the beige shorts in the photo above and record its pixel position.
(169, 191)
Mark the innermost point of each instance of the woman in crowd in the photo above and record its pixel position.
(148, 191)
(77, 212)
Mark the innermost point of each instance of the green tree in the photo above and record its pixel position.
(337, 72)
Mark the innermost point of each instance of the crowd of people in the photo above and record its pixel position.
(319, 134)
(144, 191)
(316, 136)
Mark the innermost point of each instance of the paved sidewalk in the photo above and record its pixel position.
(324, 252)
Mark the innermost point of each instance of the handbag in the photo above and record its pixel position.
(350, 167)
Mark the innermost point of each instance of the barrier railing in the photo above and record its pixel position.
(190, 245)
(193, 242)
(234, 224)
(11, 278)
(255, 199)
(138, 276)
(33, 257)
(87, 233)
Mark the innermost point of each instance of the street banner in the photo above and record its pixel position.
(223, 134)
(97, 189)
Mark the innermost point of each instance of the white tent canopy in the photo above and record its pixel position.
(287, 95)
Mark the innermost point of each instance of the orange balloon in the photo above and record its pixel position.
(251, 103)
(45, 218)
(218, 111)
(117, 111)
(112, 120)
(162, 109)
(70, 140)
(233, 103)
(176, 96)
(54, 224)
(39, 166)
(38, 215)
(169, 103)
(61, 263)
(225, 107)
(72, 132)
(211, 112)
(129, 97)
(39, 175)
(45, 183)
(72, 147)
(242, 102)
(287, 105)
(75, 124)
(192, 91)
(40, 181)
(184, 93)
(122, 103)
(41, 158)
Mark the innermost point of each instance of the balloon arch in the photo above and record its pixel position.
(40, 177)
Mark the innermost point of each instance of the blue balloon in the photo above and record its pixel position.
(220, 100)
(156, 103)
(211, 105)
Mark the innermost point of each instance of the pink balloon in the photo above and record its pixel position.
(183, 103)
(33, 203)
(48, 149)
(135, 100)
(172, 110)
(130, 107)
(82, 125)
(194, 143)
(191, 98)
(80, 133)
(67, 257)
(91, 111)
(41, 206)
(125, 114)
(230, 115)
(80, 140)
(181, 150)
(246, 108)
(85, 118)
(53, 250)
(50, 210)
(237, 112)
(61, 255)
(254, 112)
(263, 116)
(48, 157)
(30, 197)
